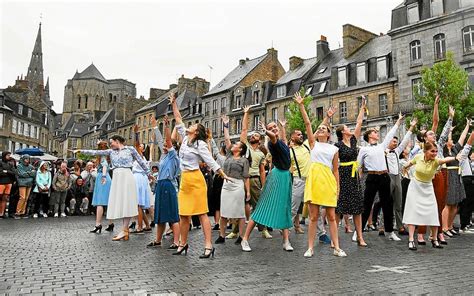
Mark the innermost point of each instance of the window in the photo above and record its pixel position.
(206, 124)
(26, 131)
(468, 38)
(382, 68)
(1, 120)
(20, 128)
(256, 120)
(361, 73)
(413, 14)
(20, 109)
(415, 51)
(86, 101)
(238, 125)
(37, 133)
(256, 97)
(342, 111)
(417, 88)
(139, 122)
(322, 88)
(206, 108)
(214, 126)
(238, 102)
(341, 77)
(223, 105)
(275, 114)
(436, 7)
(214, 107)
(439, 46)
(467, 3)
(222, 129)
(322, 70)
(78, 101)
(197, 108)
(383, 104)
(320, 113)
(17, 146)
(281, 91)
(309, 89)
(286, 110)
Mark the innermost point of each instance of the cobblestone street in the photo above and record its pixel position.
(58, 256)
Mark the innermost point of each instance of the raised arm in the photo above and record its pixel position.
(463, 136)
(464, 154)
(434, 127)
(168, 142)
(392, 132)
(225, 123)
(272, 137)
(309, 130)
(158, 137)
(245, 125)
(329, 114)
(406, 139)
(282, 134)
(360, 118)
(93, 152)
(446, 129)
(174, 105)
(446, 160)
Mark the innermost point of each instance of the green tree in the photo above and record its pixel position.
(451, 82)
(293, 115)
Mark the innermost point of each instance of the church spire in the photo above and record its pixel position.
(35, 69)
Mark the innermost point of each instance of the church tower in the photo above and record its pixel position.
(34, 75)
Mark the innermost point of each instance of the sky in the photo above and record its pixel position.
(152, 43)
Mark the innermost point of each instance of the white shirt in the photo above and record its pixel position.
(372, 157)
(393, 155)
(465, 163)
(323, 153)
(191, 154)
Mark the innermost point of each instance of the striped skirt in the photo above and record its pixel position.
(274, 205)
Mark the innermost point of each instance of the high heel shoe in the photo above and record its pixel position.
(97, 228)
(183, 249)
(436, 244)
(123, 235)
(348, 229)
(110, 228)
(412, 246)
(211, 253)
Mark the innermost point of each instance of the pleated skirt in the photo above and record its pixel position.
(274, 205)
(143, 190)
(101, 191)
(166, 203)
(192, 196)
(456, 192)
(233, 199)
(420, 206)
(123, 195)
(321, 186)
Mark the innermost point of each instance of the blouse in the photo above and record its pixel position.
(323, 153)
(424, 170)
(280, 155)
(122, 158)
(190, 154)
(236, 168)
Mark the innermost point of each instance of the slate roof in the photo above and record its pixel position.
(107, 117)
(157, 101)
(236, 75)
(299, 72)
(90, 72)
(377, 47)
(79, 129)
(331, 59)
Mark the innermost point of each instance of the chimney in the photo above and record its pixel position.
(295, 62)
(241, 62)
(322, 48)
(354, 38)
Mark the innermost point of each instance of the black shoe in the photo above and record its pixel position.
(152, 224)
(454, 231)
(173, 246)
(147, 229)
(436, 244)
(216, 227)
(422, 243)
(154, 243)
(448, 233)
(411, 246)
(220, 240)
(229, 226)
(443, 242)
(132, 225)
(207, 255)
(98, 228)
(238, 240)
(110, 228)
(183, 249)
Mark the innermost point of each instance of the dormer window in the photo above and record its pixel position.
(322, 88)
(238, 102)
(436, 7)
(256, 97)
(381, 68)
(361, 73)
(413, 13)
(281, 91)
(322, 70)
(30, 112)
(341, 77)
(20, 109)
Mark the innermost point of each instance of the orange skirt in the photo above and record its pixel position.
(192, 196)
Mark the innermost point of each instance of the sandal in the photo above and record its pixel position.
(173, 246)
(154, 244)
(137, 231)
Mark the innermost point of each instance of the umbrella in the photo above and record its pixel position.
(48, 157)
(30, 151)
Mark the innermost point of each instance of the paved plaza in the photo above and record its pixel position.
(60, 256)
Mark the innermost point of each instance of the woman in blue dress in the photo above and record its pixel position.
(101, 189)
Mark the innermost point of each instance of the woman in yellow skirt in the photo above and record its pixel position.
(192, 195)
(322, 183)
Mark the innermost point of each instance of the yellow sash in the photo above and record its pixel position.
(354, 164)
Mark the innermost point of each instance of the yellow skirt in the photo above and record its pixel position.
(192, 196)
(321, 186)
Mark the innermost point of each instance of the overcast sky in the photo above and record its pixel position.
(151, 43)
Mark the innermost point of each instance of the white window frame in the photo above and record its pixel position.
(415, 51)
(206, 108)
(361, 73)
(256, 119)
(17, 146)
(38, 133)
(238, 125)
(214, 127)
(322, 87)
(20, 128)
(214, 107)
(256, 98)
(14, 126)
(343, 111)
(238, 102)
(275, 114)
(439, 43)
(1, 120)
(223, 104)
(30, 112)
(281, 91)
(342, 77)
(469, 33)
(382, 72)
(417, 82)
(26, 130)
(385, 105)
(20, 109)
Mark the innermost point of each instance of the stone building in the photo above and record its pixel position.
(422, 32)
(26, 115)
(250, 83)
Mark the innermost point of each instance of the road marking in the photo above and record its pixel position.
(396, 269)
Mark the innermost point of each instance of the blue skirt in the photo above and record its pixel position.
(101, 191)
(274, 205)
(166, 203)
(144, 194)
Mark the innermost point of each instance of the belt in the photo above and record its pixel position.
(354, 164)
(377, 172)
(254, 177)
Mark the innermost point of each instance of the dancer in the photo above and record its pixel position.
(467, 171)
(102, 189)
(234, 193)
(26, 177)
(372, 157)
(274, 206)
(420, 207)
(166, 201)
(192, 196)
(123, 194)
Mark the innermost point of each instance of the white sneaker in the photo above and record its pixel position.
(266, 234)
(45, 215)
(287, 246)
(309, 253)
(56, 215)
(354, 236)
(63, 215)
(339, 253)
(35, 215)
(245, 246)
(394, 237)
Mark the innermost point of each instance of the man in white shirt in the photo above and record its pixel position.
(372, 157)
